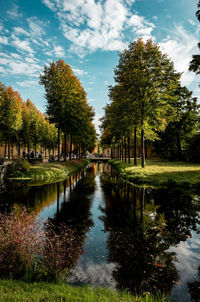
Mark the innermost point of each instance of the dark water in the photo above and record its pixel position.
(135, 238)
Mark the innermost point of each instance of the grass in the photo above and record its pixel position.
(21, 291)
(159, 172)
(43, 173)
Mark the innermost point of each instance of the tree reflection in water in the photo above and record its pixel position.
(75, 212)
(143, 224)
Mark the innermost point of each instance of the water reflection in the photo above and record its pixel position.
(134, 238)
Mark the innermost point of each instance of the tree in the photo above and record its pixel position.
(10, 115)
(179, 132)
(195, 63)
(66, 100)
(145, 77)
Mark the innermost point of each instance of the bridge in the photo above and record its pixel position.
(99, 159)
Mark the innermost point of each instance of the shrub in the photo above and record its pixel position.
(17, 167)
(20, 241)
(30, 251)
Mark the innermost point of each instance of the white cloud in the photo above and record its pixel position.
(180, 47)
(14, 13)
(36, 26)
(192, 22)
(3, 40)
(59, 51)
(20, 31)
(22, 45)
(96, 120)
(49, 4)
(24, 68)
(27, 83)
(92, 25)
(79, 72)
(17, 65)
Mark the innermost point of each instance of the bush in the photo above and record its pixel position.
(17, 167)
(20, 241)
(30, 251)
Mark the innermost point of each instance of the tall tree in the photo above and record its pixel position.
(146, 76)
(66, 100)
(195, 63)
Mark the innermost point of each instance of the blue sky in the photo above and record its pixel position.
(88, 34)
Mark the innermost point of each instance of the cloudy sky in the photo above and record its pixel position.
(88, 35)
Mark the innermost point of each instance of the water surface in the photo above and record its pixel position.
(134, 238)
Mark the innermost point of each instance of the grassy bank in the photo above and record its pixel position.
(159, 172)
(21, 291)
(50, 172)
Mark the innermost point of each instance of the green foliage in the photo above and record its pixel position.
(195, 63)
(17, 167)
(178, 133)
(145, 79)
(67, 103)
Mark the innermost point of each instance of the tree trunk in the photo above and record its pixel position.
(179, 151)
(45, 152)
(28, 147)
(58, 143)
(65, 150)
(142, 149)
(5, 150)
(12, 150)
(129, 153)
(35, 145)
(125, 149)
(70, 151)
(122, 149)
(135, 146)
(8, 148)
(76, 151)
(145, 148)
(111, 153)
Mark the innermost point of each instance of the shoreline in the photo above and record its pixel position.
(158, 173)
(48, 173)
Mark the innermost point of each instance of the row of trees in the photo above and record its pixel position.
(69, 117)
(147, 101)
(22, 124)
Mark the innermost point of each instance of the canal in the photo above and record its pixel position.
(141, 239)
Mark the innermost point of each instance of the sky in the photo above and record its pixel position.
(89, 35)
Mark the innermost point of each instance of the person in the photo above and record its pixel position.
(40, 154)
(32, 154)
(36, 154)
(24, 154)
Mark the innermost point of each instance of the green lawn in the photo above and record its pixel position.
(42, 173)
(159, 172)
(43, 292)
